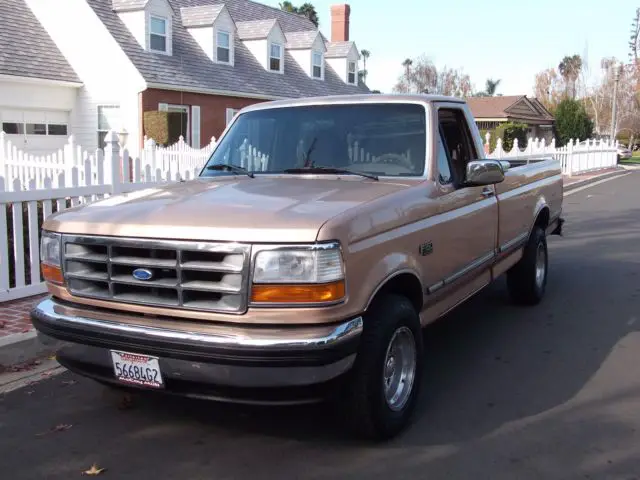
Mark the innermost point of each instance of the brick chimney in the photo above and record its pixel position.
(340, 22)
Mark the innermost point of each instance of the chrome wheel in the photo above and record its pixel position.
(541, 265)
(399, 368)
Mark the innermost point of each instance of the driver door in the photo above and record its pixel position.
(468, 215)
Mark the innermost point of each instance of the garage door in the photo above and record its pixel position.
(37, 132)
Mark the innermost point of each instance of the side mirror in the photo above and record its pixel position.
(484, 172)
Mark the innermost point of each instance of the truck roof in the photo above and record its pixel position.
(357, 98)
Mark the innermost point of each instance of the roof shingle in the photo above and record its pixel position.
(33, 53)
(128, 5)
(301, 40)
(491, 107)
(338, 49)
(190, 67)
(255, 29)
(201, 15)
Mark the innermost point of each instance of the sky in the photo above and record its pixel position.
(506, 40)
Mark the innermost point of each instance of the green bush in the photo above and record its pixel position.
(509, 131)
(164, 127)
(572, 121)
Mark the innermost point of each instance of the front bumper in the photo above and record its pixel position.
(283, 364)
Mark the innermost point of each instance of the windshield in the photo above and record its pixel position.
(385, 139)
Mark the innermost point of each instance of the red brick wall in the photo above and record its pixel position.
(212, 108)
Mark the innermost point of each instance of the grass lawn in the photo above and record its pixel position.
(634, 160)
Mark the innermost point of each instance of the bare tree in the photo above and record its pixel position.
(549, 88)
(422, 76)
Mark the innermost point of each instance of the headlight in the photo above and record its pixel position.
(50, 257)
(311, 274)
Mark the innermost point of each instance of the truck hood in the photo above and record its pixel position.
(243, 209)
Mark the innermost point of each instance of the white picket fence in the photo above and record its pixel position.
(32, 188)
(576, 157)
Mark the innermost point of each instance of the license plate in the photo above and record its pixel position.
(137, 369)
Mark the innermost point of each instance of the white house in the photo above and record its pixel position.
(87, 66)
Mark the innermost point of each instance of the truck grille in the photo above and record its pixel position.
(176, 274)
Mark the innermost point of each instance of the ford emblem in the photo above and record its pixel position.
(142, 274)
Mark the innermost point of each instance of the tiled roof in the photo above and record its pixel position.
(125, 5)
(255, 29)
(200, 16)
(491, 107)
(190, 67)
(26, 49)
(338, 49)
(300, 40)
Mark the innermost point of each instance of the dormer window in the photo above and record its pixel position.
(316, 65)
(223, 47)
(351, 73)
(158, 34)
(275, 57)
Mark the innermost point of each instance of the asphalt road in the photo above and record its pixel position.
(551, 392)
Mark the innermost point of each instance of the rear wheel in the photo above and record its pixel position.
(385, 381)
(527, 280)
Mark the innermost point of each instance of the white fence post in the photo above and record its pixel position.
(112, 161)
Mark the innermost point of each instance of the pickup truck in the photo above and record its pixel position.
(303, 262)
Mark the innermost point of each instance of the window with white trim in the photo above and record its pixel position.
(351, 73)
(223, 47)
(157, 34)
(230, 113)
(316, 65)
(275, 57)
(108, 119)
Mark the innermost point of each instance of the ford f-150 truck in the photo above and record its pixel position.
(301, 264)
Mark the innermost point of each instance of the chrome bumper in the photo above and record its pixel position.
(226, 355)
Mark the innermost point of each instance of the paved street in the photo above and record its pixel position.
(551, 392)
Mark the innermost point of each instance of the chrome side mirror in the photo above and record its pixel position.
(484, 172)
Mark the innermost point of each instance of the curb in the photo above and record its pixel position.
(597, 178)
(21, 348)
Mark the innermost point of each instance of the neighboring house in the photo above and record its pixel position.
(38, 87)
(204, 58)
(489, 112)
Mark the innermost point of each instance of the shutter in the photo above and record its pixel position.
(163, 107)
(195, 126)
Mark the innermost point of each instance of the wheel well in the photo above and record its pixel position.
(543, 218)
(406, 284)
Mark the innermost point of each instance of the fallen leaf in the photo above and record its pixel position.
(69, 382)
(58, 428)
(94, 470)
(26, 330)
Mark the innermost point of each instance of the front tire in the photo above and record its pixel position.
(527, 280)
(385, 381)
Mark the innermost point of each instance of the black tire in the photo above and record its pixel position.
(368, 412)
(525, 286)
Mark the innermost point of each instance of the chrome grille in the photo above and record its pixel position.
(188, 275)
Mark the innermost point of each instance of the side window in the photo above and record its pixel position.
(457, 140)
(444, 171)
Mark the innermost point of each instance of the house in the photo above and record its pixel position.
(112, 60)
(490, 112)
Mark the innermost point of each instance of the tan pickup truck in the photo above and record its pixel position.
(321, 235)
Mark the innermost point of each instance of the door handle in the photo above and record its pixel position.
(487, 192)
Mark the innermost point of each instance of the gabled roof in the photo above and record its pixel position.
(27, 49)
(339, 49)
(189, 67)
(301, 40)
(492, 107)
(200, 15)
(128, 5)
(255, 29)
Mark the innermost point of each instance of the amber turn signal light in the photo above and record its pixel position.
(316, 293)
(52, 274)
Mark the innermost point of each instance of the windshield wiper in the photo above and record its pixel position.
(231, 168)
(325, 169)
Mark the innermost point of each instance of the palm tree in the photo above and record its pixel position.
(288, 7)
(365, 55)
(492, 86)
(407, 72)
(570, 68)
(309, 11)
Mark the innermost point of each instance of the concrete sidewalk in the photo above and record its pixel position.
(18, 342)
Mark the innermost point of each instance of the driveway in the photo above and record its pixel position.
(551, 392)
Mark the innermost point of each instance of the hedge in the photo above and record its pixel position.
(164, 127)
